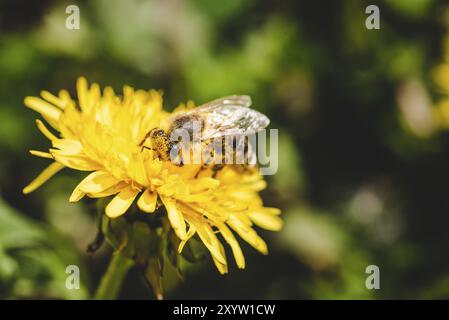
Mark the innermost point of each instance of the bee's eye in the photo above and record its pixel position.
(157, 133)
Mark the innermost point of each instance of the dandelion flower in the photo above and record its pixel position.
(100, 134)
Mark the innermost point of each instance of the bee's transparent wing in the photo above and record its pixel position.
(232, 120)
(203, 110)
(235, 100)
(227, 116)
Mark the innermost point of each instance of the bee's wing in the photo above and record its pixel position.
(227, 116)
(230, 119)
(207, 108)
(235, 100)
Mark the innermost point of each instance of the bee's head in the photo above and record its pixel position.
(154, 137)
(157, 134)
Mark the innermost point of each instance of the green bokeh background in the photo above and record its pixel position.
(363, 171)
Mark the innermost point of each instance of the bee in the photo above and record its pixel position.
(220, 120)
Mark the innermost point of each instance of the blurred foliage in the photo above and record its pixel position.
(363, 166)
(33, 259)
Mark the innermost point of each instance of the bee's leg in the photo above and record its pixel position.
(216, 168)
(206, 164)
(145, 138)
(181, 162)
(247, 169)
(181, 158)
(175, 148)
(198, 172)
(142, 143)
(201, 168)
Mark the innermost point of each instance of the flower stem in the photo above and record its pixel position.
(111, 282)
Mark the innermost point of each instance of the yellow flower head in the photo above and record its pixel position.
(101, 134)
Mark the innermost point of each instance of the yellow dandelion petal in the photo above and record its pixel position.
(110, 191)
(219, 262)
(57, 101)
(68, 146)
(64, 95)
(76, 195)
(47, 133)
(241, 221)
(202, 184)
(94, 95)
(98, 184)
(258, 185)
(175, 217)
(81, 89)
(168, 189)
(232, 206)
(187, 171)
(250, 236)
(210, 240)
(209, 210)
(147, 201)
(235, 247)
(108, 93)
(128, 93)
(222, 267)
(121, 202)
(97, 181)
(82, 163)
(200, 197)
(46, 174)
(190, 233)
(48, 111)
(156, 182)
(139, 173)
(41, 154)
(264, 218)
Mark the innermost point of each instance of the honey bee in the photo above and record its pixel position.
(220, 120)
